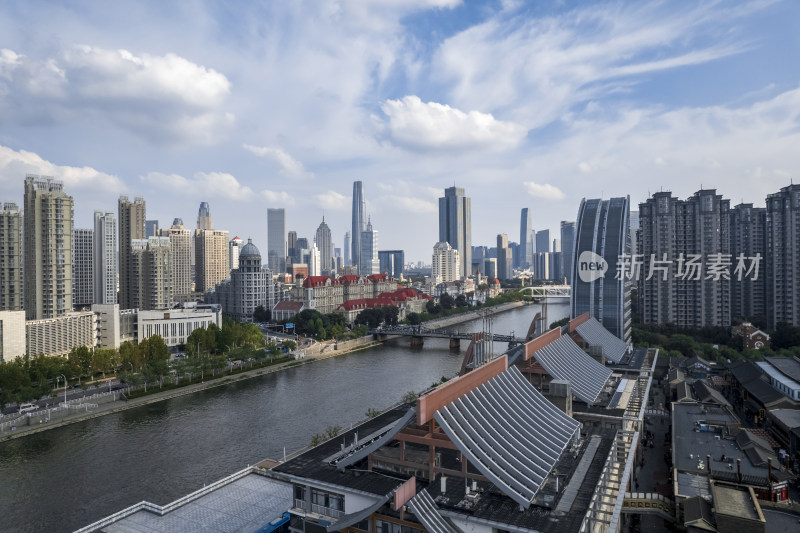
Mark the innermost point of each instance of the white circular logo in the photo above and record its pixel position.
(591, 266)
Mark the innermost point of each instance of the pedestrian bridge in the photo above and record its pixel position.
(422, 331)
(548, 291)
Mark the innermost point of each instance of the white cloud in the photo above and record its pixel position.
(14, 165)
(546, 191)
(289, 166)
(417, 125)
(206, 184)
(414, 205)
(332, 200)
(274, 197)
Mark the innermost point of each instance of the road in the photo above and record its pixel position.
(72, 394)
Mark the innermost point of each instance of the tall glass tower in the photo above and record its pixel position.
(359, 223)
(276, 240)
(601, 236)
(525, 254)
(455, 226)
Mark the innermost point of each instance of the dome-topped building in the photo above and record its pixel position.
(248, 287)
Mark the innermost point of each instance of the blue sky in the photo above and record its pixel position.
(285, 104)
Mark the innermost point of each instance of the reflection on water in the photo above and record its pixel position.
(65, 478)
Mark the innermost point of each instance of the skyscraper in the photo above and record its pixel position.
(180, 242)
(325, 247)
(234, 250)
(248, 287)
(359, 209)
(211, 258)
(291, 249)
(11, 295)
(567, 249)
(455, 226)
(543, 241)
(783, 256)
(504, 257)
(674, 231)
(347, 248)
(204, 217)
(276, 240)
(369, 251)
(131, 226)
(392, 262)
(445, 263)
(104, 254)
(748, 238)
(601, 237)
(82, 283)
(150, 228)
(150, 259)
(48, 220)
(525, 253)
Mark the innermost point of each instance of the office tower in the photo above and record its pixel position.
(301, 250)
(490, 267)
(504, 258)
(131, 226)
(314, 261)
(525, 253)
(211, 258)
(783, 256)
(325, 247)
(392, 262)
(446, 263)
(602, 236)
(150, 228)
(82, 276)
(11, 293)
(455, 226)
(234, 250)
(150, 259)
(276, 240)
(248, 287)
(291, 249)
(567, 249)
(543, 241)
(347, 247)
(204, 217)
(104, 256)
(48, 218)
(685, 235)
(541, 265)
(180, 242)
(634, 230)
(359, 210)
(748, 239)
(369, 251)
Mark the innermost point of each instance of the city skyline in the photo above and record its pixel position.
(93, 104)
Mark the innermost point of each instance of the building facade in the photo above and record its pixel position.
(359, 222)
(234, 249)
(59, 335)
(48, 217)
(211, 258)
(455, 226)
(175, 325)
(276, 240)
(526, 248)
(82, 268)
(131, 226)
(543, 241)
(748, 239)
(12, 335)
(601, 237)
(324, 242)
(180, 242)
(104, 256)
(11, 287)
(445, 263)
(370, 264)
(504, 258)
(392, 262)
(567, 249)
(248, 287)
(783, 256)
(151, 259)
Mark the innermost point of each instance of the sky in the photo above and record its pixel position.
(256, 105)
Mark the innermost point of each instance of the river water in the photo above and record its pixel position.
(66, 478)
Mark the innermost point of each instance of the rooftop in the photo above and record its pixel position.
(788, 366)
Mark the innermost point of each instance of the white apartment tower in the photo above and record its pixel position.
(82, 276)
(104, 255)
(446, 263)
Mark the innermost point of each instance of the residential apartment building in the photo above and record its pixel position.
(211, 258)
(180, 242)
(104, 258)
(151, 260)
(783, 256)
(445, 263)
(131, 227)
(82, 268)
(748, 240)
(11, 292)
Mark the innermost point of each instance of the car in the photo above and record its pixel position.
(27, 407)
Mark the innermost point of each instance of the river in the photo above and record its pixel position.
(68, 477)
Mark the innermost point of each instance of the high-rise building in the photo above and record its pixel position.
(11, 293)
(180, 242)
(748, 239)
(455, 226)
(150, 228)
(248, 287)
(204, 217)
(234, 249)
(276, 240)
(291, 249)
(567, 249)
(104, 254)
(150, 259)
(490, 267)
(325, 246)
(688, 235)
(601, 238)
(446, 263)
(369, 251)
(783, 256)
(301, 251)
(82, 271)
(211, 258)
(634, 229)
(347, 248)
(504, 258)
(131, 226)
(542, 265)
(314, 261)
(543, 241)
(525, 253)
(392, 262)
(359, 224)
(48, 216)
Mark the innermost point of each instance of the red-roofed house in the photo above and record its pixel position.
(352, 308)
(325, 294)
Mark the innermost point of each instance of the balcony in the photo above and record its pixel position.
(318, 509)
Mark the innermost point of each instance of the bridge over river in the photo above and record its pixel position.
(417, 333)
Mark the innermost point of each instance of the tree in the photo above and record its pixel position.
(447, 301)
(414, 319)
(261, 314)
(461, 301)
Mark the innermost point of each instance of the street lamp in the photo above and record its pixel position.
(65, 388)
